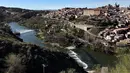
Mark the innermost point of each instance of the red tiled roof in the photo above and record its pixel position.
(121, 29)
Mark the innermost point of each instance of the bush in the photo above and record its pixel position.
(14, 64)
(123, 66)
(69, 71)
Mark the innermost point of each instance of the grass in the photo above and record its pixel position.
(122, 50)
(123, 65)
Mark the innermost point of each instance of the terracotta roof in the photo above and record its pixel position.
(121, 29)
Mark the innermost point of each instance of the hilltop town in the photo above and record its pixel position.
(115, 19)
(112, 20)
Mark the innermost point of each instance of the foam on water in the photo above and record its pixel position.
(77, 59)
(25, 31)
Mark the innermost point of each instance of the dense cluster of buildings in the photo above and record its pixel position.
(115, 33)
(65, 13)
(121, 32)
(68, 12)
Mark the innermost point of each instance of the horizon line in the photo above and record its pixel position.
(53, 8)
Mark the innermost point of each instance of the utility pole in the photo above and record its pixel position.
(43, 68)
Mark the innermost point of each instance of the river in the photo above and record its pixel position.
(90, 58)
(27, 36)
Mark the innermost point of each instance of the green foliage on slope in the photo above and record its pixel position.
(123, 66)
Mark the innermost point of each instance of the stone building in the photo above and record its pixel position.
(89, 12)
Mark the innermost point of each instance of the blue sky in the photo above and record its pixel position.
(56, 4)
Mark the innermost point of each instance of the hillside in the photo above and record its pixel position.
(29, 58)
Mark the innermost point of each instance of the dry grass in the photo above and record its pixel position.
(14, 64)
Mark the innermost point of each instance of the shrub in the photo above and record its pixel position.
(123, 66)
(14, 64)
(68, 71)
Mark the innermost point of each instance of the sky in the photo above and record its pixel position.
(58, 4)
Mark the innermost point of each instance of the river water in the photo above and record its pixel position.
(90, 58)
(29, 36)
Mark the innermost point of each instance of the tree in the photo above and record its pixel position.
(128, 7)
(117, 5)
(1, 16)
